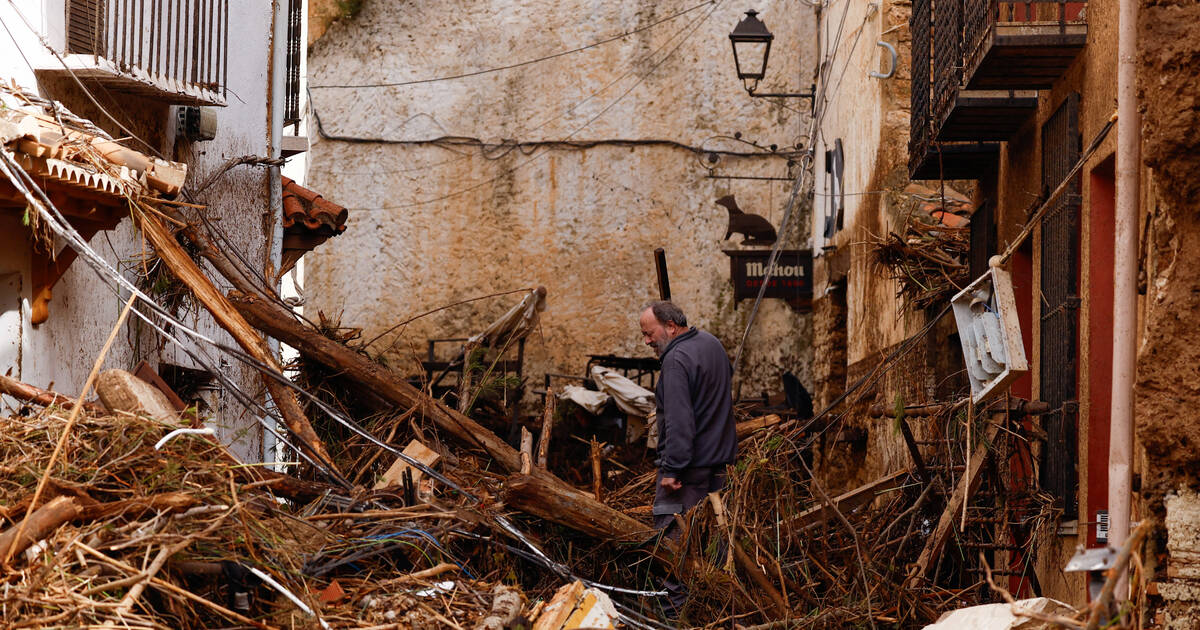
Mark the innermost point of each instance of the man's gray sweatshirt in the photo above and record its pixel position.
(695, 407)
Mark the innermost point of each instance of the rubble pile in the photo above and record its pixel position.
(134, 530)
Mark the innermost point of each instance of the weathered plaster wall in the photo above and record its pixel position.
(1167, 372)
(83, 311)
(434, 222)
(870, 116)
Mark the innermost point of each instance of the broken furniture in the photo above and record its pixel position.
(437, 369)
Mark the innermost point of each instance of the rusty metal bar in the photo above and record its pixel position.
(664, 281)
(194, 49)
(174, 45)
(141, 33)
(225, 63)
(210, 5)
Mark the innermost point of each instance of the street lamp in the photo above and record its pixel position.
(751, 47)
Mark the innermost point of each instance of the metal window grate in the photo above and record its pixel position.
(1061, 145)
(947, 56)
(295, 43)
(919, 132)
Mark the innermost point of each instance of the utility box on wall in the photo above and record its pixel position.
(990, 333)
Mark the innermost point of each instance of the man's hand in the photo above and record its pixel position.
(670, 483)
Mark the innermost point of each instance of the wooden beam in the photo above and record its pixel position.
(281, 323)
(43, 397)
(45, 272)
(567, 506)
(744, 429)
(186, 270)
(848, 501)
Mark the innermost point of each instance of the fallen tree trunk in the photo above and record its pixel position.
(186, 270)
(43, 397)
(572, 508)
(40, 524)
(282, 324)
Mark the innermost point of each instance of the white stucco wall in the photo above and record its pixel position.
(434, 222)
(61, 351)
(870, 116)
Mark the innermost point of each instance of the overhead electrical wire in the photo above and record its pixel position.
(520, 64)
(821, 102)
(447, 142)
(58, 223)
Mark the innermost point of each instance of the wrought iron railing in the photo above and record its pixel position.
(947, 56)
(920, 132)
(295, 51)
(182, 42)
(950, 39)
(981, 17)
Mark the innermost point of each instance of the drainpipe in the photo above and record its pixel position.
(275, 103)
(1120, 449)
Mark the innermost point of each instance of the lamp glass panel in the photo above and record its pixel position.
(751, 59)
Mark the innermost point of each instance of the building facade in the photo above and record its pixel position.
(195, 83)
(991, 108)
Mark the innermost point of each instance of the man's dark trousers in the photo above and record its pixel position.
(697, 484)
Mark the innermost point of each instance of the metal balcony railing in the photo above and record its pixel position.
(158, 47)
(920, 125)
(976, 62)
(1041, 24)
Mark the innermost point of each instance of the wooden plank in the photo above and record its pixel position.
(744, 429)
(556, 613)
(395, 474)
(847, 501)
(185, 269)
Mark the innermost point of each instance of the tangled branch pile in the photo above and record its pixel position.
(928, 261)
(186, 537)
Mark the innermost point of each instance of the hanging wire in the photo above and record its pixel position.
(521, 63)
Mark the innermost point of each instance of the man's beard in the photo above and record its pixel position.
(659, 347)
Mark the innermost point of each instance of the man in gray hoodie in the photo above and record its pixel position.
(696, 434)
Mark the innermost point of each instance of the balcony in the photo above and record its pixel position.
(171, 50)
(977, 66)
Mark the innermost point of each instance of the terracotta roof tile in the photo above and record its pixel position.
(303, 208)
(53, 143)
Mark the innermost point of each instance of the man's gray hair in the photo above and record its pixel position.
(667, 312)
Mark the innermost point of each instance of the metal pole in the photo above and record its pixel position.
(1120, 449)
(660, 265)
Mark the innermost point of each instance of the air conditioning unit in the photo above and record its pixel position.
(990, 333)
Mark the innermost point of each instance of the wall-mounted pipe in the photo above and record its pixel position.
(891, 64)
(1120, 449)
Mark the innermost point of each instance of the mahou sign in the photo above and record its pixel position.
(791, 276)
